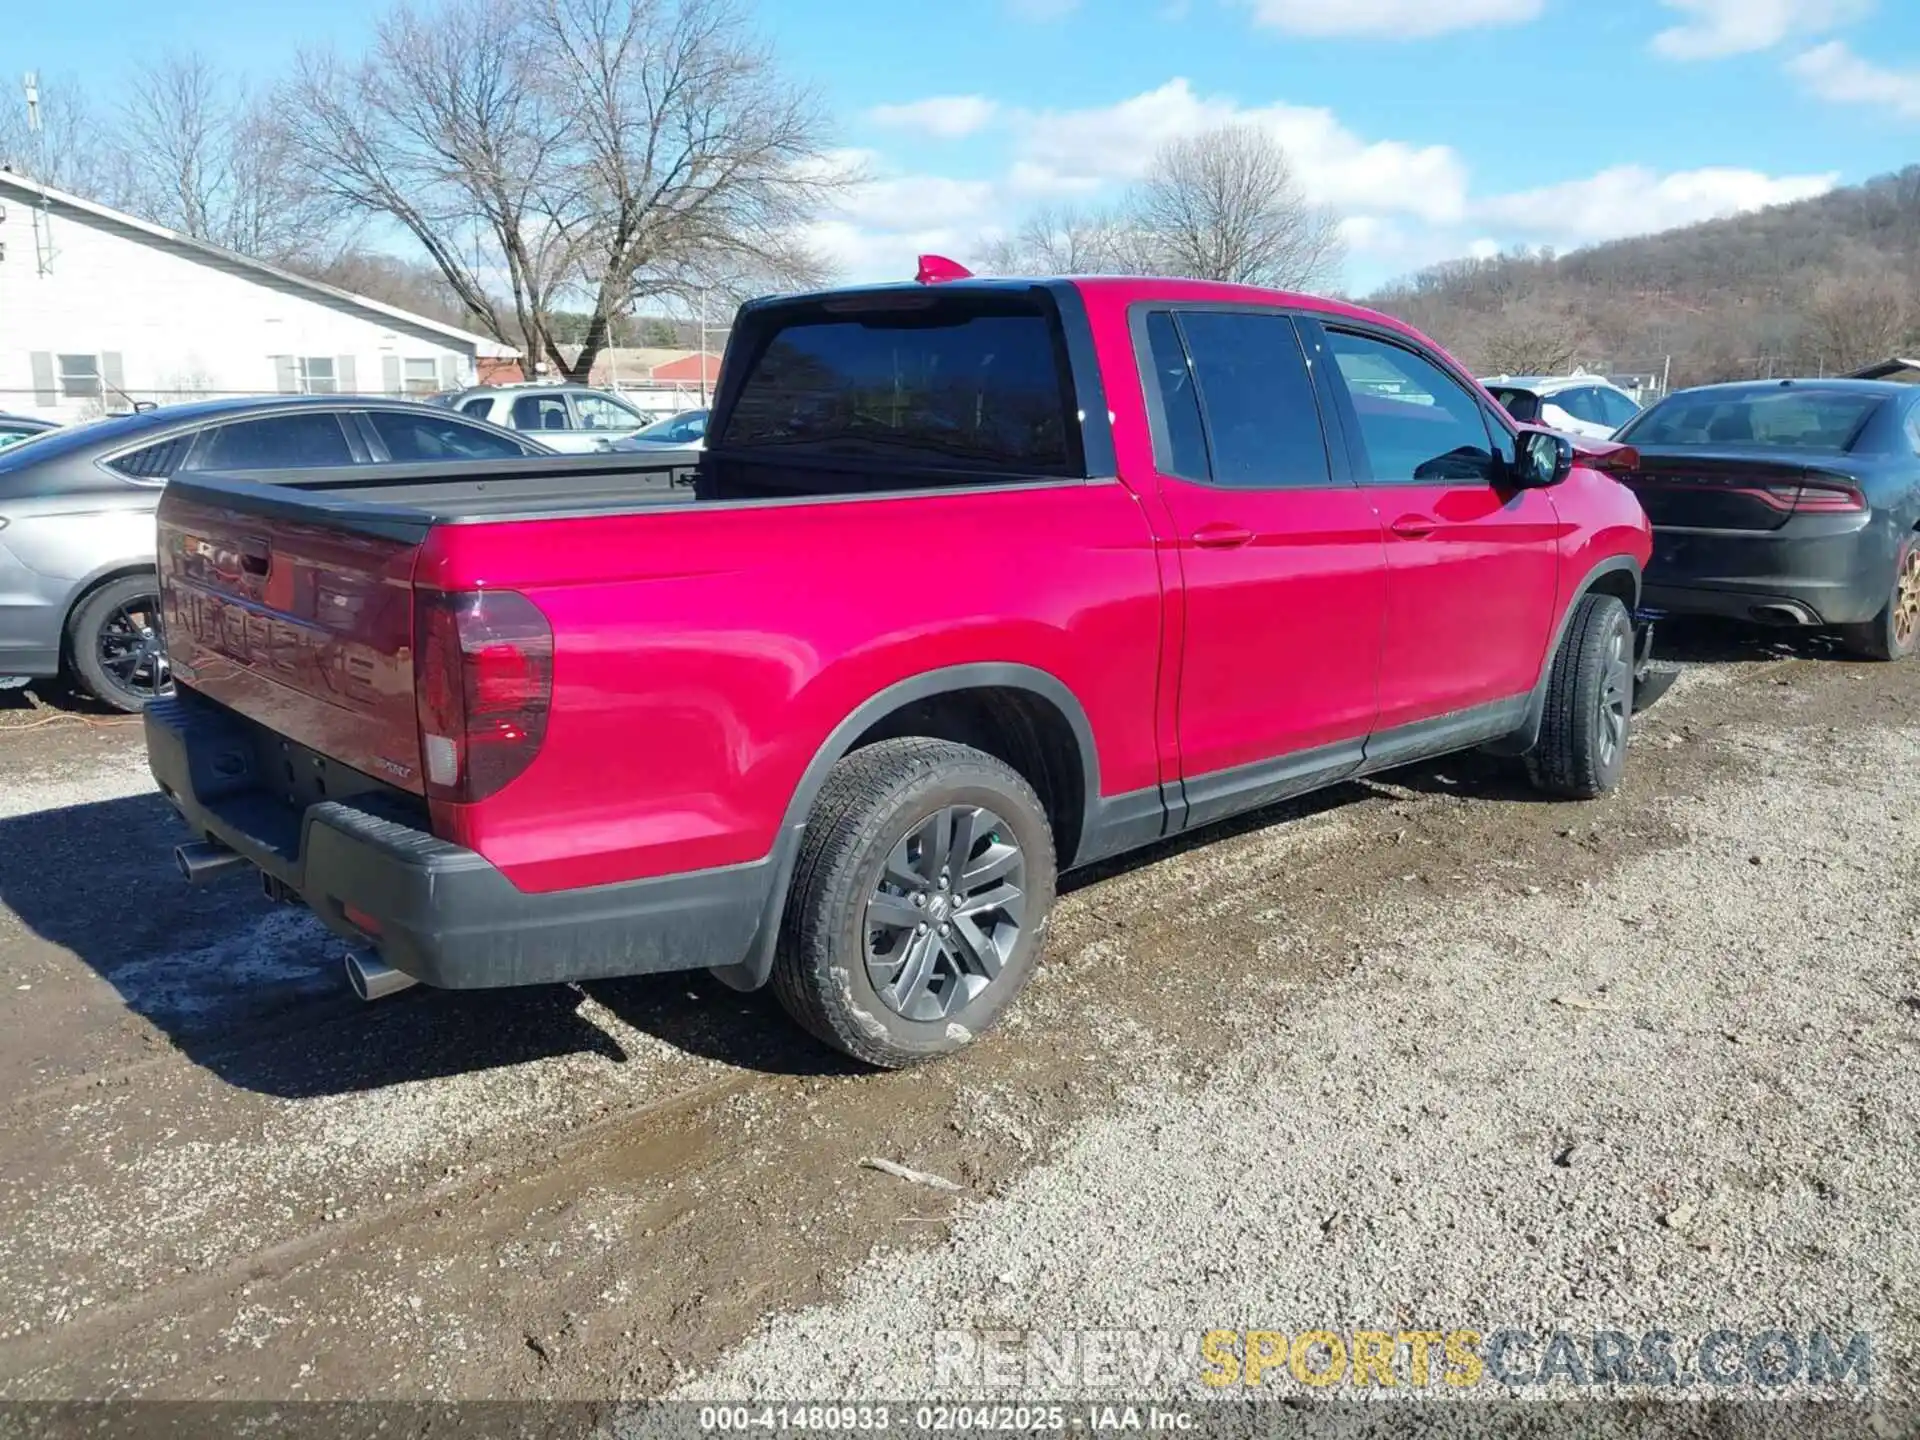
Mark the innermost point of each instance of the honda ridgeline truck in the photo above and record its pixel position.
(977, 582)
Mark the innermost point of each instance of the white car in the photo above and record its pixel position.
(1587, 405)
(573, 419)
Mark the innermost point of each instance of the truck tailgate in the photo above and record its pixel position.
(301, 625)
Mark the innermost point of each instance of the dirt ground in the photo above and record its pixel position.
(221, 1176)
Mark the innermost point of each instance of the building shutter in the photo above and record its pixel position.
(43, 391)
(449, 372)
(286, 378)
(115, 374)
(390, 374)
(345, 381)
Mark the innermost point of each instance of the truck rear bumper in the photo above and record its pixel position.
(432, 909)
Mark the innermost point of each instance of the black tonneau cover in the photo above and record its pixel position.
(403, 502)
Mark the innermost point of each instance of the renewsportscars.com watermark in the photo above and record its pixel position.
(1421, 1361)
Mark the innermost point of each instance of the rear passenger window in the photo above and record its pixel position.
(1417, 423)
(439, 437)
(541, 412)
(1582, 404)
(1256, 397)
(479, 409)
(1180, 440)
(1616, 409)
(281, 442)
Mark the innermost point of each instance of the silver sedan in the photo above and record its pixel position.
(77, 576)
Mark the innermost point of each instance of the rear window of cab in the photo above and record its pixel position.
(973, 383)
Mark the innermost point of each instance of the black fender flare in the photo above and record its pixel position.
(754, 968)
(1527, 735)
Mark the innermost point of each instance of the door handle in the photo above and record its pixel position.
(1414, 527)
(1221, 537)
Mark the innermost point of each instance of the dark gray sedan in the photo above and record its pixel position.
(77, 591)
(1788, 502)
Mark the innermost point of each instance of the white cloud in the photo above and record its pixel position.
(1394, 19)
(1632, 200)
(1716, 28)
(866, 254)
(948, 117)
(1116, 143)
(1403, 206)
(1834, 72)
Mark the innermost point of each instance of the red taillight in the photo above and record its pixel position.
(483, 679)
(1826, 500)
(1803, 499)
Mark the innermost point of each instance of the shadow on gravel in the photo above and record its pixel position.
(251, 991)
(53, 697)
(1702, 640)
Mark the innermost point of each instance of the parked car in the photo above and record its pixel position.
(15, 428)
(572, 419)
(1572, 404)
(77, 582)
(687, 430)
(979, 581)
(1789, 502)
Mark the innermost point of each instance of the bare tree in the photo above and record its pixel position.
(199, 154)
(600, 151)
(1062, 241)
(1523, 337)
(1225, 205)
(1858, 318)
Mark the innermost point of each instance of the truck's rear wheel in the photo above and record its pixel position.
(1582, 749)
(919, 901)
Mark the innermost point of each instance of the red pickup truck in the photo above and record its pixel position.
(976, 582)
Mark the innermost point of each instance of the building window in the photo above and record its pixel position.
(80, 376)
(318, 377)
(423, 377)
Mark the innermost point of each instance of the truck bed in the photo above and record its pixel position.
(403, 502)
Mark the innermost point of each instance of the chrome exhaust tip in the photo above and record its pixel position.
(202, 860)
(373, 979)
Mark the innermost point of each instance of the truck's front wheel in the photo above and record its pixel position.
(919, 901)
(1582, 749)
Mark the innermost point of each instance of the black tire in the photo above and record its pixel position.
(876, 806)
(121, 604)
(1893, 634)
(1584, 729)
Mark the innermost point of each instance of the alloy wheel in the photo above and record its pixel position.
(945, 915)
(1616, 694)
(1906, 600)
(131, 648)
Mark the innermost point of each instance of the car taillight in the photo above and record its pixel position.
(1804, 499)
(483, 681)
(1826, 499)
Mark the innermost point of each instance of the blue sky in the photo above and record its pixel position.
(1435, 127)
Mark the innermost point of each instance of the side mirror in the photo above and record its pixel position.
(1541, 459)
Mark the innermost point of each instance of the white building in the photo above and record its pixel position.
(99, 309)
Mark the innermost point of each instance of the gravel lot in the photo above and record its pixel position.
(1419, 1054)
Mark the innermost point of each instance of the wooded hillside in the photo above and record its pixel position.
(1819, 286)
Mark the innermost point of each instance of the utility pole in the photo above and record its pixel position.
(1666, 378)
(42, 212)
(703, 347)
